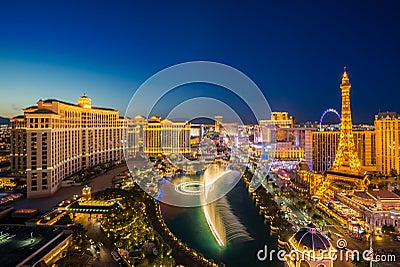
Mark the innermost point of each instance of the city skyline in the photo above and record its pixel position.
(108, 59)
(332, 114)
(199, 133)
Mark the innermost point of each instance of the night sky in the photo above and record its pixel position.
(295, 52)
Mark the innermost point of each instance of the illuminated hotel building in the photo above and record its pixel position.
(387, 128)
(166, 137)
(325, 143)
(366, 148)
(282, 119)
(229, 132)
(133, 142)
(5, 138)
(288, 153)
(274, 128)
(290, 141)
(218, 122)
(139, 122)
(18, 145)
(62, 139)
(196, 134)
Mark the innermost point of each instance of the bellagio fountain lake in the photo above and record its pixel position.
(227, 229)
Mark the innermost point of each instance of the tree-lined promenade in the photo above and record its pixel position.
(136, 224)
(180, 251)
(129, 227)
(269, 208)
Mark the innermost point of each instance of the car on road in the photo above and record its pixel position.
(115, 256)
(396, 238)
(99, 244)
(91, 241)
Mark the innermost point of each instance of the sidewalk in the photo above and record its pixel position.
(99, 183)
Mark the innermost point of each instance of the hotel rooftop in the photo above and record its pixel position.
(28, 246)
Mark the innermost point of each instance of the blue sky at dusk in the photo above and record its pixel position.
(293, 50)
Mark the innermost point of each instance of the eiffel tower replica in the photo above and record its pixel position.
(346, 158)
(346, 168)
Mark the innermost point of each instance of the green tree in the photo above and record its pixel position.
(64, 220)
(317, 218)
(79, 238)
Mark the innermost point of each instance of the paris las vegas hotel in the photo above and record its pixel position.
(374, 161)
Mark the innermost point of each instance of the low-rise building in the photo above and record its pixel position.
(377, 208)
(310, 248)
(33, 245)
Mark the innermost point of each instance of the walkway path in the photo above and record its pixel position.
(99, 183)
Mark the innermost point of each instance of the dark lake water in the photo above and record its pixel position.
(190, 226)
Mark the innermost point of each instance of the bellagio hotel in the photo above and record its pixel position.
(55, 140)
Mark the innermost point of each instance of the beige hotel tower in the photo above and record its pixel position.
(60, 139)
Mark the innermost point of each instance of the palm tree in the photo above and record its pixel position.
(79, 237)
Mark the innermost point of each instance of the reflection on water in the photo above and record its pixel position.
(221, 220)
(190, 225)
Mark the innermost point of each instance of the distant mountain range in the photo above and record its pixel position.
(196, 120)
(4, 120)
